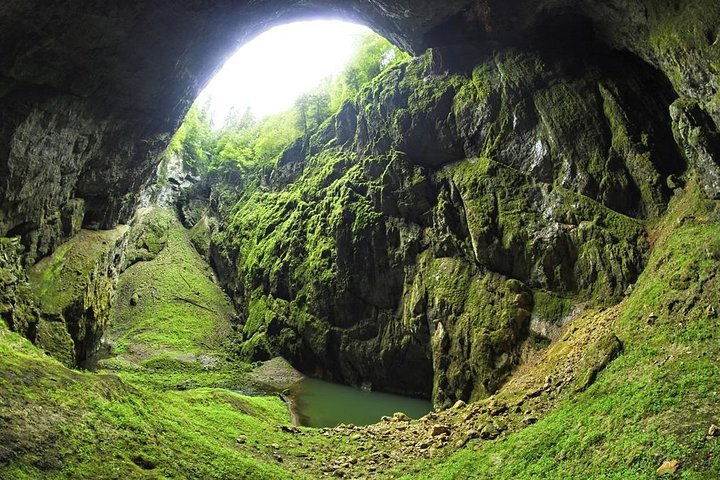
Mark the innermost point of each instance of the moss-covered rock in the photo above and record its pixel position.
(17, 303)
(75, 288)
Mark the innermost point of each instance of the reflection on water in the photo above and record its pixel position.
(324, 404)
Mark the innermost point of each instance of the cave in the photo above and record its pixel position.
(518, 222)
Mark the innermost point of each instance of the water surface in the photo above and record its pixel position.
(324, 404)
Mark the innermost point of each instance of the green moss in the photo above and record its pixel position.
(169, 305)
(655, 401)
(503, 208)
(476, 316)
(61, 279)
(551, 308)
(54, 339)
(103, 428)
(635, 153)
(17, 302)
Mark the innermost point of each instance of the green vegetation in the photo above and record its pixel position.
(73, 288)
(103, 427)
(247, 143)
(58, 280)
(148, 413)
(170, 326)
(652, 404)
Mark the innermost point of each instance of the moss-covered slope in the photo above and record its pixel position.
(170, 324)
(62, 424)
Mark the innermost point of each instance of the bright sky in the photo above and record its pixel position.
(270, 72)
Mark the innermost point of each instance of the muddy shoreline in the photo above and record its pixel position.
(278, 376)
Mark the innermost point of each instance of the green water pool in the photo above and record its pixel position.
(323, 404)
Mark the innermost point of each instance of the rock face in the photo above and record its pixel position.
(74, 288)
(17, 303)
(407, 244)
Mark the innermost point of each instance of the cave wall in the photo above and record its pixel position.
(443, 217)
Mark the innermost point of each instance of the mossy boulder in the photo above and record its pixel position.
(75, 288)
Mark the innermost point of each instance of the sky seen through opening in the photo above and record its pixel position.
(271, 71)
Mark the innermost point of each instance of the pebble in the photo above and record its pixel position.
(713, 431)
(489, 432)
(667, 467)
(459, 405)
(439, 430)
(529, 420)
(400, 417)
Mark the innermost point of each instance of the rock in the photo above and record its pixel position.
(135, 299)
(240, 440)
(489, 432)
(700, 143)
(499, 408)
(439, 430)
(400, 417)
(459, 405)
(535, 393)
(529, 420)
(713, 431)
(668, 467)
(290, 429)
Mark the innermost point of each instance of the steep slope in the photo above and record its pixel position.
(170, 324)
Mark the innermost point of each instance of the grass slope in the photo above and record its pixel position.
(62, 424)
(144, 421)
(171, 323)
(655, 402)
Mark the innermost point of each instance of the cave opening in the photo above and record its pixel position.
(268, 74)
